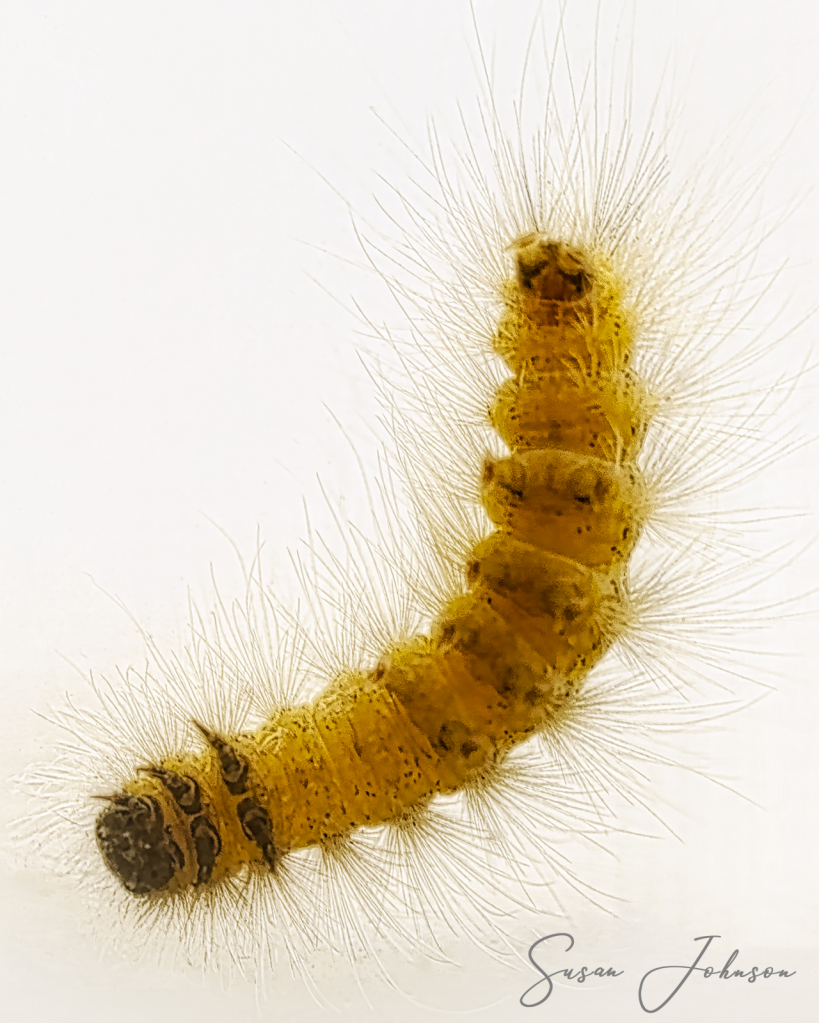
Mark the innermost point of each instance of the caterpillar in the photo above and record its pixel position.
(459, 750)
(543, 603)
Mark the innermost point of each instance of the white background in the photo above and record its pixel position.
(168, 360)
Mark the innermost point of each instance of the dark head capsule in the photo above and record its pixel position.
(136, 844)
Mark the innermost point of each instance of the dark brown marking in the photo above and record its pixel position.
(184, 790)
(234, 768)
(207, 844)
(552, 271)
(256, 825)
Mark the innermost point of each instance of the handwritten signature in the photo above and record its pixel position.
(537, 994)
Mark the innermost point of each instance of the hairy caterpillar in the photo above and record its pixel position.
(543, 604)
(209, 507)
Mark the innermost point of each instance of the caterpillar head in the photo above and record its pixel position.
(137, 844)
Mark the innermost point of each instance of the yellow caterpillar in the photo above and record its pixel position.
(545, 601)
(491, 686)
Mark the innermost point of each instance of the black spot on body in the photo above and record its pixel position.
(256, 826)
(232, 766)
(184, 790)
(207, 845)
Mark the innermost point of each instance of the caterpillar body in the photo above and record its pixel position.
(505, 659)
(545, 600)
